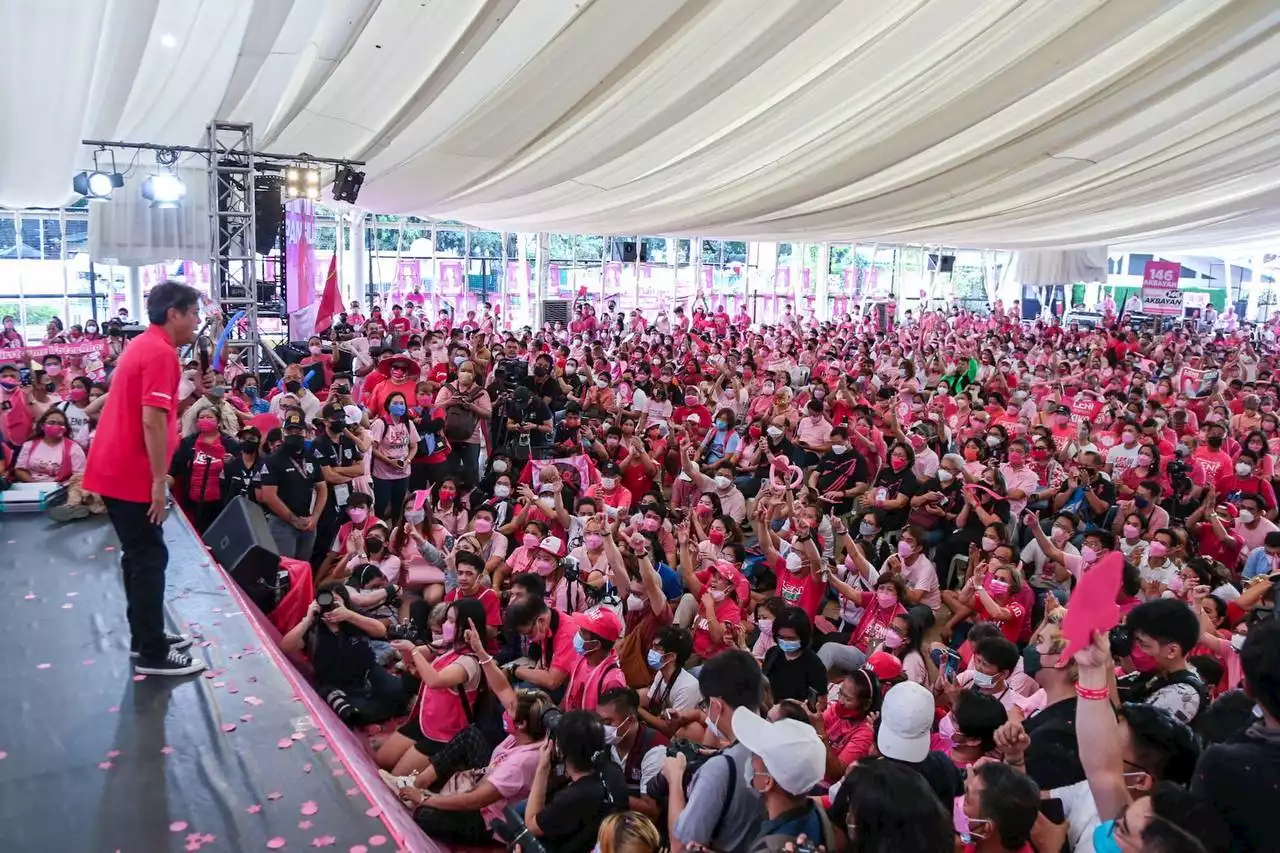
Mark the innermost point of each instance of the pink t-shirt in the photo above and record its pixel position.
(44, 461)
(511, 770)
(804, 592)
(921, 575)
(587, 682)
(813, 433)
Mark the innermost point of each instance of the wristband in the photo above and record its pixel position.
(1095, 695)
(486, 661)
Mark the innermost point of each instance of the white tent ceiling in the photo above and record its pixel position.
(996, 123)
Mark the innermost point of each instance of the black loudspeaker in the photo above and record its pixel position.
(242, 543)
(942, 263)
(627, 251)
(268, 211)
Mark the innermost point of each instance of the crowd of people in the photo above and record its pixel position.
(680, 579)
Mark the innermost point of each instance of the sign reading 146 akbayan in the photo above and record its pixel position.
(1160, 294)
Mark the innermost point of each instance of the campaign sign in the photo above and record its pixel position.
(1160, 294)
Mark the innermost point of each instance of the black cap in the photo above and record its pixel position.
(1062, 410)
(293, 421)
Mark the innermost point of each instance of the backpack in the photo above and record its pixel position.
(460, 424)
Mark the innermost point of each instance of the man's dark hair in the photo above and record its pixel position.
(734, 677)
(1260, 660)
(522, 614)
(1165, 746)
(1166, 620)
(531, 583)
(624, 699)
(1272, 539)
(999, 652)
(979, 715)
(580, 739)
(797, 620)
(1011, 800)
(475, 561)
(171, 294)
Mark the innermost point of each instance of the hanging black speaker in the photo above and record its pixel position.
(268, 203)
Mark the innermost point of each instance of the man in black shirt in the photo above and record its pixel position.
(528, 423)
(544, 384)
(340, 461)
(568, 433)
(841, 474)
(294, 492)
(238, 473)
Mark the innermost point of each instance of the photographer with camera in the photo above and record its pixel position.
(1163, 633)
(568, 820)
(337, 641)
(715, 808)
(472, 800)
(528, 424)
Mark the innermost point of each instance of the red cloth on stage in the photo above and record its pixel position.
(293, 607)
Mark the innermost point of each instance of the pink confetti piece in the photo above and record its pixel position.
(178, 826)
(13, 541)
(167, 750)
(297, 736)
(284, 743)
(254, 809)
(339, 772)
(233, 689)
(228, 727)
(72, 594)
(309, 808)
(219, 684)
(377, 840)
(31, 596)
(206, 644)
(358, 848)
(319, 747)
(105, 765)
(68, 606)
(210, 674)
(72, 574)
(109, 548)
(274, 795)
(323, 841)
(306, 768)
(192, 846)
(87, 662)
(115, 753)
(3, 755)
(246, 718)
(373, 811)
(209, 839)
(353, 792)
(139, 677)
(114, 709)
(252, 700)
(304, 824)
(275, 843)
(44, 666)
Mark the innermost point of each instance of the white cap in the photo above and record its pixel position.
(353, 415)
(906, 722)
(791, 751)
(552, 545)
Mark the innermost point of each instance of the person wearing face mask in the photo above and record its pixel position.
(792, 668)
(632, 745)
(245, 395)
(468, 409)
(214, 400)
(880, 607)
(395, 375)
(610, 490)
(841, 474)
(341, 463)
(787, 759)
(812, 435)
(1124, 455)
(351, 536)
(1210, 464)
(238, 473)
(671, 702)
(709, 809)
(294, 492)
(318, 359)
(50, 457)
(998, 811)
(847, 726)
(1164, 632)
(395, 437)
(196, 469)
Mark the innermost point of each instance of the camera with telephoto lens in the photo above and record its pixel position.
(1179, 475)
(695, 755)
(327, 600)
(511, 830)
(572, 571)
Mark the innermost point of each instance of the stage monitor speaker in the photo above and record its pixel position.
(241, 542)
(942, 263)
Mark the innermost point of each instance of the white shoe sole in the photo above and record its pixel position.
(184, 643)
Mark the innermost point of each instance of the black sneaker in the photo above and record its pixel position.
(175, 641)
(176, 663)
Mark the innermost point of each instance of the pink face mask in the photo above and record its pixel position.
(206, 425)
(1016, 457)
(483, 525)
(530, 541)
(594, 541)
(886, 599)
(447, 631)
(650, 524)
(358, 516)
(897, 463)
(904, 549)
(1088, 555)
(1157, 549)
(1131, 531)
(892, 639)
(55, 430)
(997, 587)
(544, 567)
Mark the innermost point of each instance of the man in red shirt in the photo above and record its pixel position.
(127, 465)
(399, 326)
(1210, 464)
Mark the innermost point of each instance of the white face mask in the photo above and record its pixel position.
(723, 483)
(636, 602)
(944, 476)
(839, 449)
(981, 679)
(1246, 516)
(501, 491)
(794, 563)
(607, 483)
(774, 433)
(1243, 469)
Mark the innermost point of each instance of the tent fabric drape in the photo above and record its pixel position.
(1066, 266)
(127, 230)
(1022, 124)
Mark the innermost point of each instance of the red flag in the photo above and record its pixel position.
(329, 304)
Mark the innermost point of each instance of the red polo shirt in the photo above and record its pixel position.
(146, 376)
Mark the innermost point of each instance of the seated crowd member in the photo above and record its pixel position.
(722, 586)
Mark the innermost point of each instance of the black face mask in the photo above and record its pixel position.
(50, 387)
(539, 371)
(295, 444)
(249, 445)
(337, 425)
(373, 545)
(1214, 441)
(293, 387)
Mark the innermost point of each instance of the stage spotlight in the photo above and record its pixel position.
(346, 184)
(98, 184)
(164, 190)
(302, 181)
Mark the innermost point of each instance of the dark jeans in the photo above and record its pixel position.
(458, 827)
(388, 497)
(468, 461)
(143, 559)
(381, 697)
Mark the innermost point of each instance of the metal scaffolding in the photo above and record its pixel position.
(232, 262)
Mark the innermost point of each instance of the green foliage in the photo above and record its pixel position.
(37, 314)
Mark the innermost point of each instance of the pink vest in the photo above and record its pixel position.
(440, 711)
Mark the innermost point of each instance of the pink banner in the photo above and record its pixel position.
(553, 279)
(708, 280)
(408, 276)
(782, 281)
(21, 355)
(613, 277)
(850, 275)
(450, 277)
(299, 254)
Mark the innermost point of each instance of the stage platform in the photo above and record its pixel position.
(94, 758)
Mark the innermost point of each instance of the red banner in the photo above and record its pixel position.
(1083, 409)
